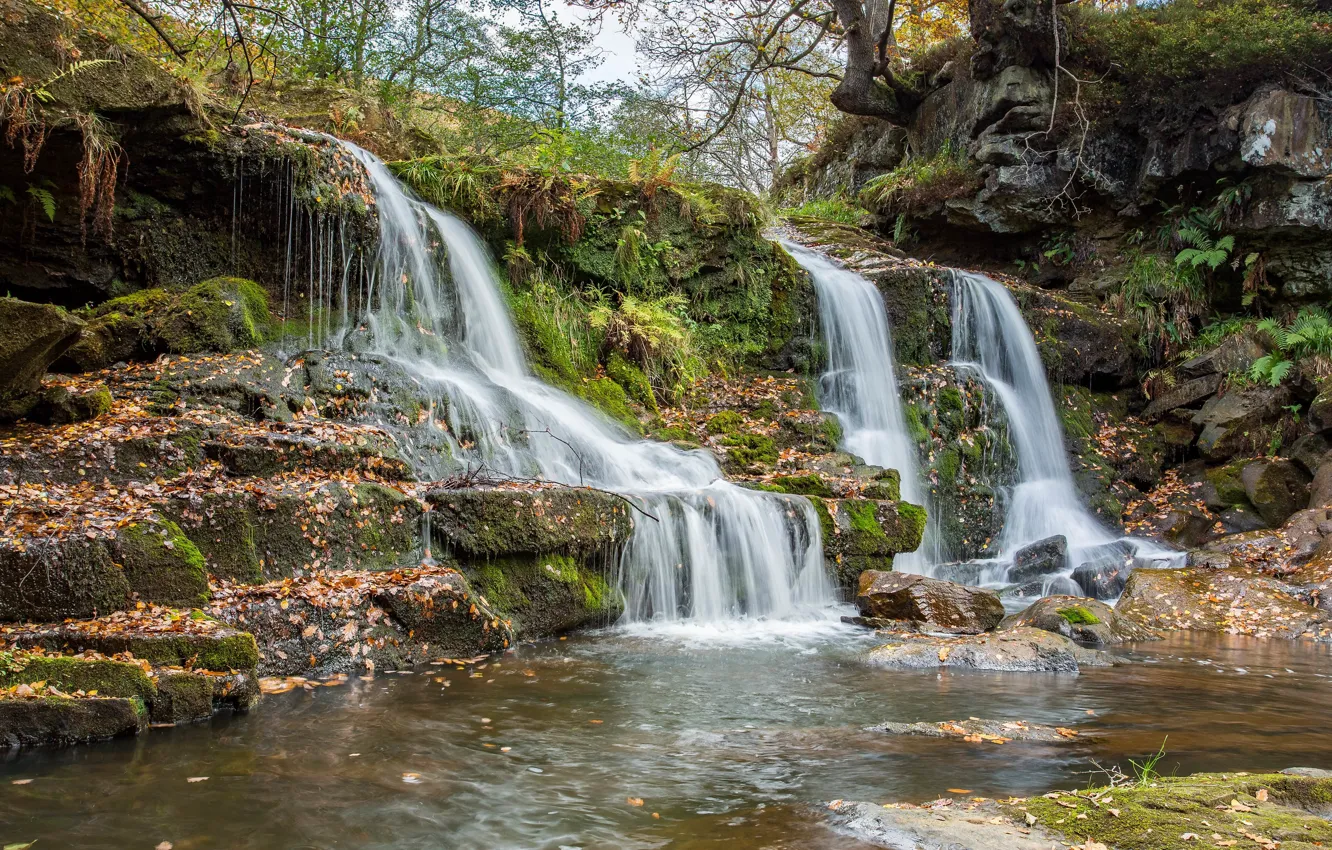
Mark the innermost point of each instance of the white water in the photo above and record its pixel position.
(992, 342)
(859, 385)
(715, 552)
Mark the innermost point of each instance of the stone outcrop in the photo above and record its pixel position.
(929, 603)
(1023, 649)
(865, 534)
(1234, 600)
(1084, 620)
(32, 336)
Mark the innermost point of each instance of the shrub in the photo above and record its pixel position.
(922, 185)
(1234, 44)
(654, 335)
(1164, 298)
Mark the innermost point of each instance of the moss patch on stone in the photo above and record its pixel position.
(1078, 616)
(1160, 814)
(801, 485)
(161, 564)
(107, 677)
(745, 450)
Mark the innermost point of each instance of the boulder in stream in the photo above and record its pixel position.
(943, 826)
(1041, 558)
(1019, 650)
(1234, 600)
(1276, 489)
(935, 604)
(1083, 620)
(976, 730)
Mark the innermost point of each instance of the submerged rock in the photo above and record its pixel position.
(1084, 620)
(902, 826)
(935, 604)
(1022, 650)
(977, 730)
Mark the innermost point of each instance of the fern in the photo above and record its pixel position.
(42, 92)
(1270, 369)
(7, 194)
(46, 199)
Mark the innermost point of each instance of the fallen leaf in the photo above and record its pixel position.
(634, 801)
(197, 779)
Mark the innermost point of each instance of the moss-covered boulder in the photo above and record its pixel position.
(32, 336)
(1276, 489)
(59, 721)
(188, 696)
(1084, 620)
(106, 677)
(163, 637)
(282, 527)
(266, 455)
(57, 405)
(219, 315)
(161, 564)
(1174, 813)
(84, 575)
(548, 594)
(506, 521)
(865, 534)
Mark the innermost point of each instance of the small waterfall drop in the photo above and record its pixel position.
(714, 551)
(859, 384)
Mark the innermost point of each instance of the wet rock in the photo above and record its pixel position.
(1238, 421)
(1310, 451)
(1083, 620)
(1306, 532)
(266, 455)
(1101, 581)
(119, 459)
(997, 731)
(188, 696)
(108, 677)
(907, 827)
(1320, 490)
(32, 336)
(1185, 394)
(1239, 519)
(1234, 600)
(1234, 354)
(498, 521)
(544, 595)
(942, 605)
(56, 405)
(160, 636)
(1276, 489)
(218, 315)
(1187, 528)
(56, 722)
(1022, 649)
(964, 572)
(864, 534)
(355, 621)
(1041, 558)
(275, 529)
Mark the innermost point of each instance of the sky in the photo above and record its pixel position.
(620, 63)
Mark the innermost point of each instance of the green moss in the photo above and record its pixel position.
(182, 697)
(887, 485)
(913, 518)
(863, 518)
(726, 422)
(744, 450)
(1078, 616)
(610, 398)
(108, 678)
(915, 424)
(161, 564)
(801, 485)
(948, 464)
(1160, 814)
(832, 430)
(632, 379)
(1226, 481)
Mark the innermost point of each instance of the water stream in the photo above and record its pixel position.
(733, 745)
(712, 551)
(990, 340)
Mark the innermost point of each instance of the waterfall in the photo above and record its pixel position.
(859, 384)
(991, 341)
(709, 551)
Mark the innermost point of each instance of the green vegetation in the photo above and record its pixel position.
(839, 210)
(1223, 44)
(1304, 344)
(922, 184)
(1078, 616)
(746, 450)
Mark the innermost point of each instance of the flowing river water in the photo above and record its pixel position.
(731, 739)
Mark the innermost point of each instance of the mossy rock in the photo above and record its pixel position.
(801, 485)
(182, 697)
(250, 536)
(69, 577)
(884, 486)
(56, 405)
(635, 383)
(219, 315)
(546, 594)
(161, 564)
(57, 722)
(725, 423)
(201, 643)
(746, 450)
(864, 534)
(1227, 489)
(556, 520)
(31, 337)
(1161, 813)
(109, 678)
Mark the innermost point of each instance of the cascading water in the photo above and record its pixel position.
(860, 382)
(992, 342)
(709, 551)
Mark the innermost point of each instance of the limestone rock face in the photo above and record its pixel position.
(1083, 620)
(1280, 128)
(918, 599)
(32, 336)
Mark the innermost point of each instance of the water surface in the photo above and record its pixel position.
(730, 737)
